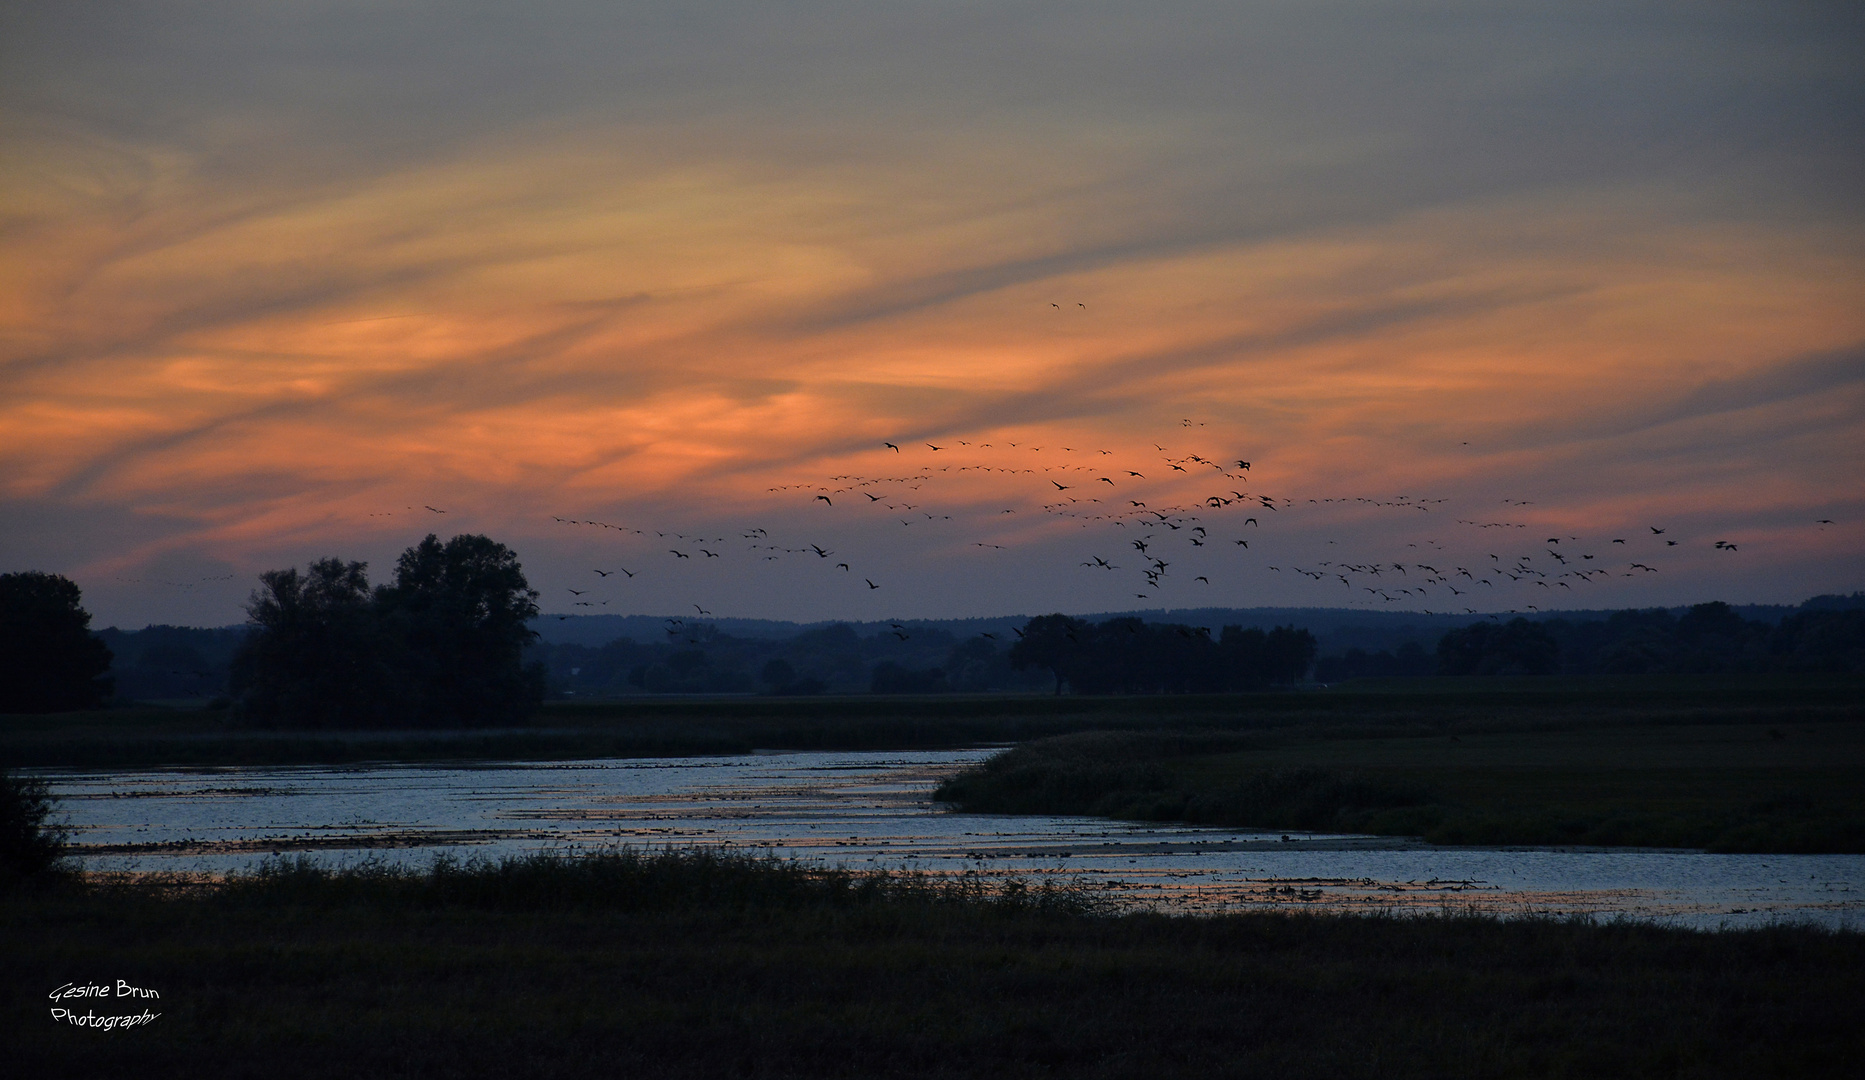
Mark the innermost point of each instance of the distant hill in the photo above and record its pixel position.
(1335, 628)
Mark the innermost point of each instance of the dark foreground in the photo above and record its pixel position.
(689, 964)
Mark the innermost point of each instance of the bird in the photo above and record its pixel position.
(701, 610)
(935, 447)
(871, 584)
(1060, 487)
(604, 573)
(1655, 531)
(578, 592)
(891, 446)
(841, 566)
(1202, 578)
(680, 554)
(826, 499)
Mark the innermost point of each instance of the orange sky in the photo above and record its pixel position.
(265, 303)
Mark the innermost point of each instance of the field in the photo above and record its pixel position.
(686, 964)
(148, 736)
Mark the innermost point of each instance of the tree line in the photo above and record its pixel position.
(448, 643)
(442, 646)
(1707, 638)
(1132, 656)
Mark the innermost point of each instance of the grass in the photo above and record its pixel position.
(148, 736)
(1756, 787)
(706, 964)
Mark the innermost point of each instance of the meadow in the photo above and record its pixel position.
(682, 963)
(678, 725)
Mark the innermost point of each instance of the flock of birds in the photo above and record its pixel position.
(1145, 531)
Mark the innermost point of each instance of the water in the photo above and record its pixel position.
(874, 809)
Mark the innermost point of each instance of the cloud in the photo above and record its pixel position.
(266, 272)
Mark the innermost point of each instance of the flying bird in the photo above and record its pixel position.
(826, 499)
(871, 584)
(891, 446)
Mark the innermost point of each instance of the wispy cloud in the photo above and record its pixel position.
(265, 273)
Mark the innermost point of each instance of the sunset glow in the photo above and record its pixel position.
(270, 291)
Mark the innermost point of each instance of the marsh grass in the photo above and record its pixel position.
(1724, 787)
(691, 964)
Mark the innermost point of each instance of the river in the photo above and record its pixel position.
(874, 809)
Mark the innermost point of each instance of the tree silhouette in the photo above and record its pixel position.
(461, 610)
(317, 656)
(442, 646)
(49, 660)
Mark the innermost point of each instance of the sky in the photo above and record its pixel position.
(647, 289)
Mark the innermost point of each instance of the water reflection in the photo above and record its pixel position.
(874, 810)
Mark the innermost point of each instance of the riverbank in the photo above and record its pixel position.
(683, 726)
(708, 964)
(1728, 787)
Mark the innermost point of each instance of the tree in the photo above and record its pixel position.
(316, 656)
(1518, 647)
(49, 660)
(461, 611)
(28, 846)
(1053, 642)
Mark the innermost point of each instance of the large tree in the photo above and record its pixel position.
(1055, 643)
(443, 646)
(317, 656)
(49, 660)
(462, 611)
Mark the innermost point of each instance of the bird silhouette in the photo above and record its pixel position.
(826, 499)
(871, 584)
